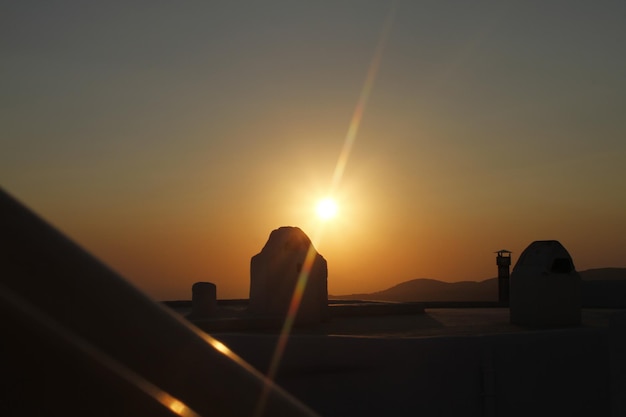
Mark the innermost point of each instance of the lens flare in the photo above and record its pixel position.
(355, 122)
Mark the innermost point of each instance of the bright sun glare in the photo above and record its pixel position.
(326, 209)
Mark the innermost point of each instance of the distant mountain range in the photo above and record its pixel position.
(603, 274)
(598, 285)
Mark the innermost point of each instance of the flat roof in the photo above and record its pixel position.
(414, 321)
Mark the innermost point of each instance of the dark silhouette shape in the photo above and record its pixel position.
(562, 266)
(503, 260)
(287, 257)
(203, 300)
(545, 287)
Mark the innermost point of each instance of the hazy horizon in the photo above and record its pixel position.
(170, 139)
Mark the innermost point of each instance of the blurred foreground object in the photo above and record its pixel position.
(77, 339)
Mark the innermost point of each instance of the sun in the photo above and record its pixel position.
(327, 209)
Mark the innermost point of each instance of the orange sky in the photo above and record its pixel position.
(171, 140)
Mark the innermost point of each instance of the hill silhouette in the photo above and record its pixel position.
(604, 274)
(426, 289)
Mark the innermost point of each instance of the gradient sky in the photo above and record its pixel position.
(170, 138)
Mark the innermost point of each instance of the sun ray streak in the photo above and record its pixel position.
(283, 337)
(336, 179)
(357, 116)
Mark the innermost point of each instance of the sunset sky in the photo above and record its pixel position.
(170, 138)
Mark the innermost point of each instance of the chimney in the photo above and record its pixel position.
(503, 260)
